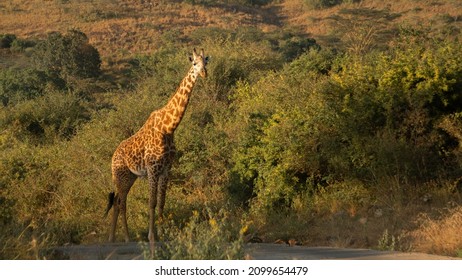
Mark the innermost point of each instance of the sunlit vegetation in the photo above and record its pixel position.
(350, 139)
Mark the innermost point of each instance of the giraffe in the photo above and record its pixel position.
(150, 152)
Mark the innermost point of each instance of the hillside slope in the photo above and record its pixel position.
(124, 28)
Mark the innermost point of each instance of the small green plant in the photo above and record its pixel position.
(459, 253)
(386, 242)
(389, 242)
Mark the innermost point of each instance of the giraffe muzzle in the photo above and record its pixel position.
(203, 73)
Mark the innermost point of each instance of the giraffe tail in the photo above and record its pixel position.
(110, 202)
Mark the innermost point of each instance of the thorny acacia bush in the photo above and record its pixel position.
(296, 145)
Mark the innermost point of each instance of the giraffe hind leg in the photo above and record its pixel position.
(110, 203)
(115, 215)
(123, 181)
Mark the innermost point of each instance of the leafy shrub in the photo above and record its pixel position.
(285, 43)
(277, 110)
(6, 40)
(18, 85)
(65, 58)
(316, 60)
(230, 2)
(322, 4)
(295, 46)
(369, 117)
(213, 237)
(20, 45)
(45, 119)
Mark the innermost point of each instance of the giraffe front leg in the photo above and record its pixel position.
(152, 213)
(163, 181)
(162, 192)
(153, 178)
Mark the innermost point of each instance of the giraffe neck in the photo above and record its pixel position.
(174, 110)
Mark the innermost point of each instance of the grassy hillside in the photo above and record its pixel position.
(333, 123)
(121, 29)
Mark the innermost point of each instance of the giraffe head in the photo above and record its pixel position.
(199, 62)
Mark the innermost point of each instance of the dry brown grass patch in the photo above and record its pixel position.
(439, 235)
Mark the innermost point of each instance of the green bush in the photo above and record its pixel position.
(65, 58)
(229, 2)
(281, 124)
(18, 85)
(6, 40)
(45, 119)
(322, 4)
(213, 237)
(21, 45)
(348, 196)
(322, 119)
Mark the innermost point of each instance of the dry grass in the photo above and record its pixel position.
(400, 220)
(123, 29)
(325, 25)
(120, 28)
(440, 235)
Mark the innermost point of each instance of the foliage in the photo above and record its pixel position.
(216, 237)
(65, 58)
(322, 4)
(55, 115)
(292, 136)
(6, 40)
(389, 242)
(17, 85)
(22, 45)
(304, 129)
(230, 2)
